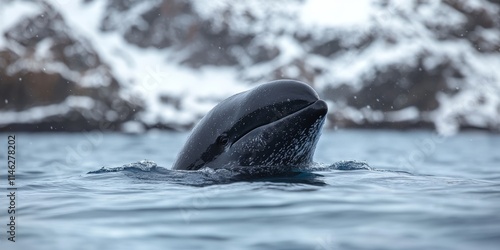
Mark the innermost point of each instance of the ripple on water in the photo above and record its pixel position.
(443, 201)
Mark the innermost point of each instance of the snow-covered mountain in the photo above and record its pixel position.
(133, 65)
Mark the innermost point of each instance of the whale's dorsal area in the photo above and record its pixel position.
(276, 123)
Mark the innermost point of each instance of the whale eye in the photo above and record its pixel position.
(223, 139)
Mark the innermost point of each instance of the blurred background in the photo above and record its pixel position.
(68, 65)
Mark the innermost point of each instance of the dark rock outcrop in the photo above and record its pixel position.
(67, 78)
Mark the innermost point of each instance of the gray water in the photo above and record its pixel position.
(421, 191)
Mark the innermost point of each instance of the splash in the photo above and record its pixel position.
(342, 165)
(144, 165)
(150, 171)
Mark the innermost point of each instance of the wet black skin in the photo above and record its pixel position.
(276, 123)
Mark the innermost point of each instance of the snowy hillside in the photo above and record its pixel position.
(135, 65)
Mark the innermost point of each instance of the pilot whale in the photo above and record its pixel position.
(274, 124)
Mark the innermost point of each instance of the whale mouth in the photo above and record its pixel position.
(288, 142)
(311, 113)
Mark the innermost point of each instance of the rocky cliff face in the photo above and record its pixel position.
(133, 65)
(53, 79)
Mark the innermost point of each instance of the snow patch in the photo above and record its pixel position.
(41, 112)
(22, 10)
(333, 13)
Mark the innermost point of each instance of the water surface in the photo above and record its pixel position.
(421, 191)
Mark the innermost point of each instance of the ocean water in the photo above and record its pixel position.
(369, 190)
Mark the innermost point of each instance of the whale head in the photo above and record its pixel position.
(276, 123)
